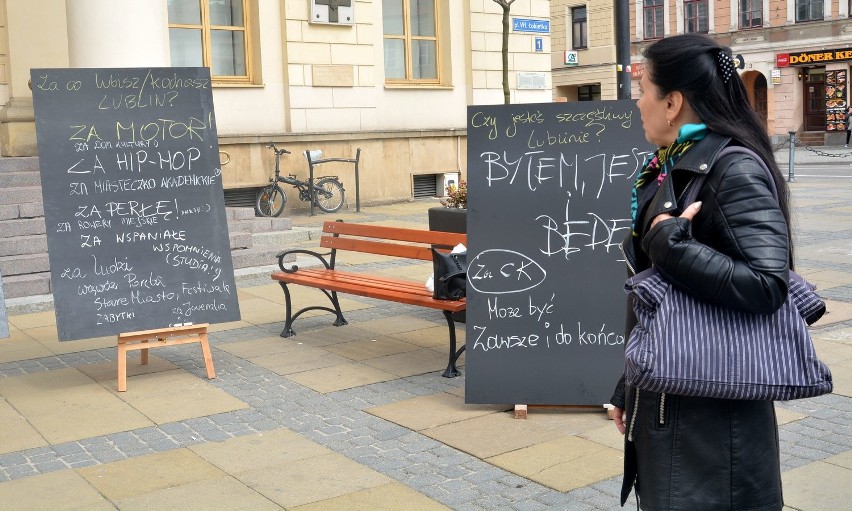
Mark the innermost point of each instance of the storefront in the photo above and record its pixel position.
(823, 76)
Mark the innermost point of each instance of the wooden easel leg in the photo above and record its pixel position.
(208, 356)
(186, 334)
(122, 366)
(143, 354)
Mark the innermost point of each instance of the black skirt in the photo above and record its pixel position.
(689, 453)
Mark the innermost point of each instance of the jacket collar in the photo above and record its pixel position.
(699, 159)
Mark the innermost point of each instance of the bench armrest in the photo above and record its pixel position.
(294, 268)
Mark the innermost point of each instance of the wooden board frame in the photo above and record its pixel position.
(147, 339)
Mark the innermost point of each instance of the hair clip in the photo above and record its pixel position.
(727, 64)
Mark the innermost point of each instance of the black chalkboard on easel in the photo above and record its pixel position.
(548, 204)
(133, 201)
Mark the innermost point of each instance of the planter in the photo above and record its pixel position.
(449, 220)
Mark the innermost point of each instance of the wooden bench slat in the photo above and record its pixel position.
(346, 279)
(366, 280)
(374, 247)
(448, 239)
(357, 288)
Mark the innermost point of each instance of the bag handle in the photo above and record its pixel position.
(731, 149)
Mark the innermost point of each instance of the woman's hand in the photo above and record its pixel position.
(688, 214)
(617, 416)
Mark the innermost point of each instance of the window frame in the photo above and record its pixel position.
(407, 39)
(590, 92)
(207, 29)
(657, 8)
(581, 23)
(810, 4)
(696, 16)
(749, 11)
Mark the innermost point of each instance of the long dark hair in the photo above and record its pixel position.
(689, 63)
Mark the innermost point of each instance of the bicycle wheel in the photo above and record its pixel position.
(270, 200)
(328, 194)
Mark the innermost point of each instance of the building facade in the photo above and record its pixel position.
(583, 59)
(797, 55)
(391, 77)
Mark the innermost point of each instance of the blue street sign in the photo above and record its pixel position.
(530, 25)
(539, 44)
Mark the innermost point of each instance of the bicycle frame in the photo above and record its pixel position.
(302, 186)
(310, 190)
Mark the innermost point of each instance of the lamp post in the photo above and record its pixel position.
(622, 47)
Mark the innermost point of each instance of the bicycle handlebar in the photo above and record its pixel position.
(277, 151)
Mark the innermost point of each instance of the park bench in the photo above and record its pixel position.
(373, 239)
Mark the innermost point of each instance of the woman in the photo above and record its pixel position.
(732, 247)
(847, 120)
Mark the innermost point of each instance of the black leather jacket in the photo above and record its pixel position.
(735, 252)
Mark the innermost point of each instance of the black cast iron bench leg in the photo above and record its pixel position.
(452, 371)
(290, 317)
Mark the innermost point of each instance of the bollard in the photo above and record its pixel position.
(357, 182)
(791, 176)
(312, 156)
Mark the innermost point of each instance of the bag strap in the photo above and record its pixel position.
(731, 149)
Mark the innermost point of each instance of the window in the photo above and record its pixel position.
(580, 38)
(589, 92)
(751, 13)
(210, 33)
(695, 16)
(653, 13)
(411, 41)
(809, 10)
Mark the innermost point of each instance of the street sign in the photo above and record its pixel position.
(530, 25)
(571, 58)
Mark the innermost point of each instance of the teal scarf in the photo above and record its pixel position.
(660, 163)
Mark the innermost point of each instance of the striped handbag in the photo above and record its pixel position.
(684, 346)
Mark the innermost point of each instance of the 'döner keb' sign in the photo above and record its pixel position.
(133, 201)
(548, 204)
(812, 57)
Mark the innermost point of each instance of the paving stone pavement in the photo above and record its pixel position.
(259, 394)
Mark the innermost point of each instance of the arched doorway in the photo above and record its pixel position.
(756, 87)
(760, 101)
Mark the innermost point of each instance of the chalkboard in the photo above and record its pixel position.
(4, 320)
(133, 202)
(548, 205)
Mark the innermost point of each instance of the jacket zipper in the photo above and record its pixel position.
(627, 260)
(633, 416)
(663, 409)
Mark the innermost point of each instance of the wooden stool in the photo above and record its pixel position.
(130, 341)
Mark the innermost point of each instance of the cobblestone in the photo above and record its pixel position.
(108, 456)
(49, 466)
(19, 471)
